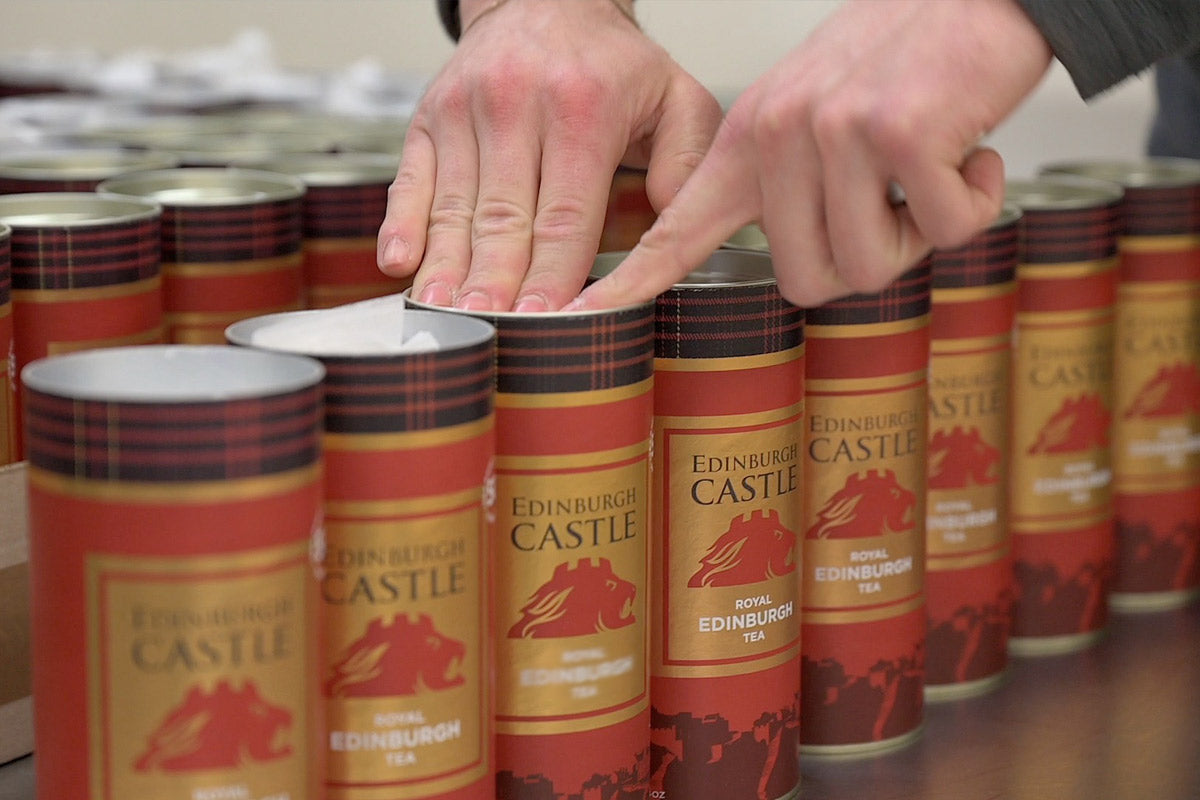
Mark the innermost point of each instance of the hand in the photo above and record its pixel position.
(503, 183)
(896, 92)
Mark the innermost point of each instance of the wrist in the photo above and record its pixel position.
(460, 16)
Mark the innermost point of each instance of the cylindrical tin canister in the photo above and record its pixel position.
(408, 447)
(73, 169)
(343, 207)
(239, 148)
(968, 554)
(724, 579)
(573, 414)
(629, 213)
(863, 616)
(8, 357)
(231, 245)
(1156, 382)
(1060, 473)
(85, 274)
(174, 494)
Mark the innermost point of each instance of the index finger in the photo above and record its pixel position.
(714, 202)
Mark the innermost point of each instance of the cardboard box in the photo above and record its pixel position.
(16, 701)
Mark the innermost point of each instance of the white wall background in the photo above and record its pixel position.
(725, 43)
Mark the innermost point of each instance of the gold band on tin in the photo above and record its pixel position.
(859, 330)
(882, 383)
(972, 294)
(176, 492)
(1065, 270)
(89, 293)
(952, 563)
(148, 336)
(731, 363)
(1033, 320)
(559, 726)
(818, 616)
(573, 399)
(553, 463)
(1032, 526)
(1158, 244)
(207, 319)
(366, 511)
(760, 664)
(405, 440)
(702, 423)
(212, 269)
(969, 344)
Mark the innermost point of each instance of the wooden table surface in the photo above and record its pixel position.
(1119, 721)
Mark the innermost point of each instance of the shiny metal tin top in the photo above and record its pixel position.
(80, 164)
(1148, 173)
(334, 169)
(452, 332)
(725, 267)
(205, 186)
(1061, 192)
(748, 237)
(171, 374)
(67, 209)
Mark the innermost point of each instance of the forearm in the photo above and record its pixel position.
(1102, 42)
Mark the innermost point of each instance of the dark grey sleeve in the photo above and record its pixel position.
(448, 13)
(1102, 42)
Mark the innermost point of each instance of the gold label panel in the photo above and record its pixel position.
(1061, 421)
(729, 550)
(864, 480)
(406, 643)
(570, 600)
(1156, 433)
(968, 452)
(199, 681)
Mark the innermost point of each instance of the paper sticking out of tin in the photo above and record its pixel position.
(375, 326)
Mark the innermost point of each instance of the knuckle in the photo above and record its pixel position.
(500, 217)
(451, 211)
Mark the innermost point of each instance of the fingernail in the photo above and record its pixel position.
(578, 304)
(435, 294)
(474, 301)
(395, 252)
(531, 304)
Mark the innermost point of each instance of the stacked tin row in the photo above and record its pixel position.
(103, 256)
(661, 549)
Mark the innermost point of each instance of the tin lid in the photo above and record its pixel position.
(205, 186)
(145, 130)
(375, 328)
(5, 231)
(1061, 193)
(725, 268)
(334, 169)
(238, 147)
(81, 163)
(1148, 173)
(72, 209)
(171, 374)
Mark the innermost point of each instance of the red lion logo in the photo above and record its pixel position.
(221, 729)
(1079, 424)
(959, 459)
(401, 657)
(755, 548)
(870, 504)
(586, 598)
(1173, 391)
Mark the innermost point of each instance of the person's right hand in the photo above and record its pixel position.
(884, 93)
(503, 183)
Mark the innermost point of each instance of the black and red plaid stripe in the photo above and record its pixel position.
(343, 212)
(410, 392)
(907, 297)
(60, 256)
(1161, 211)
(173, 442)
(1065, 235)
(547, 353)
(722, 321)
(989, 258)
(239, 232)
